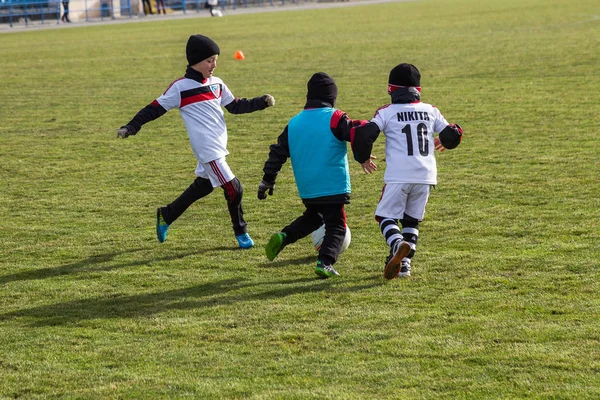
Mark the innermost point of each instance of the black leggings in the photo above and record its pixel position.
(200, 188)
(334, 218)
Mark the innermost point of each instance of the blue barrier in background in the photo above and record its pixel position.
(50, 11)
(43, 10)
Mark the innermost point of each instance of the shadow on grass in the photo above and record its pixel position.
(99, 263)
(222, 293)
(285, 263)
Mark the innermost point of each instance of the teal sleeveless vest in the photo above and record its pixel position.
(319, 159)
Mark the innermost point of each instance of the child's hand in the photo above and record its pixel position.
(123, 132)
(438, 144)
(369, 166)
(262, 189)
(270, 100)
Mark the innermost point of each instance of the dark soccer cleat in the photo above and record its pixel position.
(404, 269)
(393, 266)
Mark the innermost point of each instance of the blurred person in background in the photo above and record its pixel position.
(160, 4)
(65, 16)
(144, 3)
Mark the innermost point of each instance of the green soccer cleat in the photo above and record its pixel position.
(161, 227)
(325, 271)
(275, 245)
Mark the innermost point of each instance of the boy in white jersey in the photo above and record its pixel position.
(199, 97)
(408, 126)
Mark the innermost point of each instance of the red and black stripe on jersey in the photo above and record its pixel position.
(202, 93)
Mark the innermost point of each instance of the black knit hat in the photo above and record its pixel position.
(405, 75)
(322, 87)
(199, 48)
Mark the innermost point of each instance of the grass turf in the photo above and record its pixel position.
(503, 302)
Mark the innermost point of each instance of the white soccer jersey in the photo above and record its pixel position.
(408, 130)
(200, 107)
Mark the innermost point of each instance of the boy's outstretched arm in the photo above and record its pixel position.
(362, 141)
(244, 106)
(278, 155)
(344, 128)
(146, 114)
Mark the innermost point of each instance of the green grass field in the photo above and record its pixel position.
(504, 299)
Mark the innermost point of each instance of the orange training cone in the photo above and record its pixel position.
(239, 55)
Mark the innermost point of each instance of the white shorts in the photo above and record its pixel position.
(217, 171)
(398, 199)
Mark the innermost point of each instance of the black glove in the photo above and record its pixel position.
(458, 128)
(451, 136)
(262, 189)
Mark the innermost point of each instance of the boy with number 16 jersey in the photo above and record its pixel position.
(408, 126)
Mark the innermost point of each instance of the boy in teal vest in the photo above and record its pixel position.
(315, 141)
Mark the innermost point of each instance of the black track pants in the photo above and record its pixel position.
(202, 187)
(197, 190)
(334, 218)
(234, 191)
